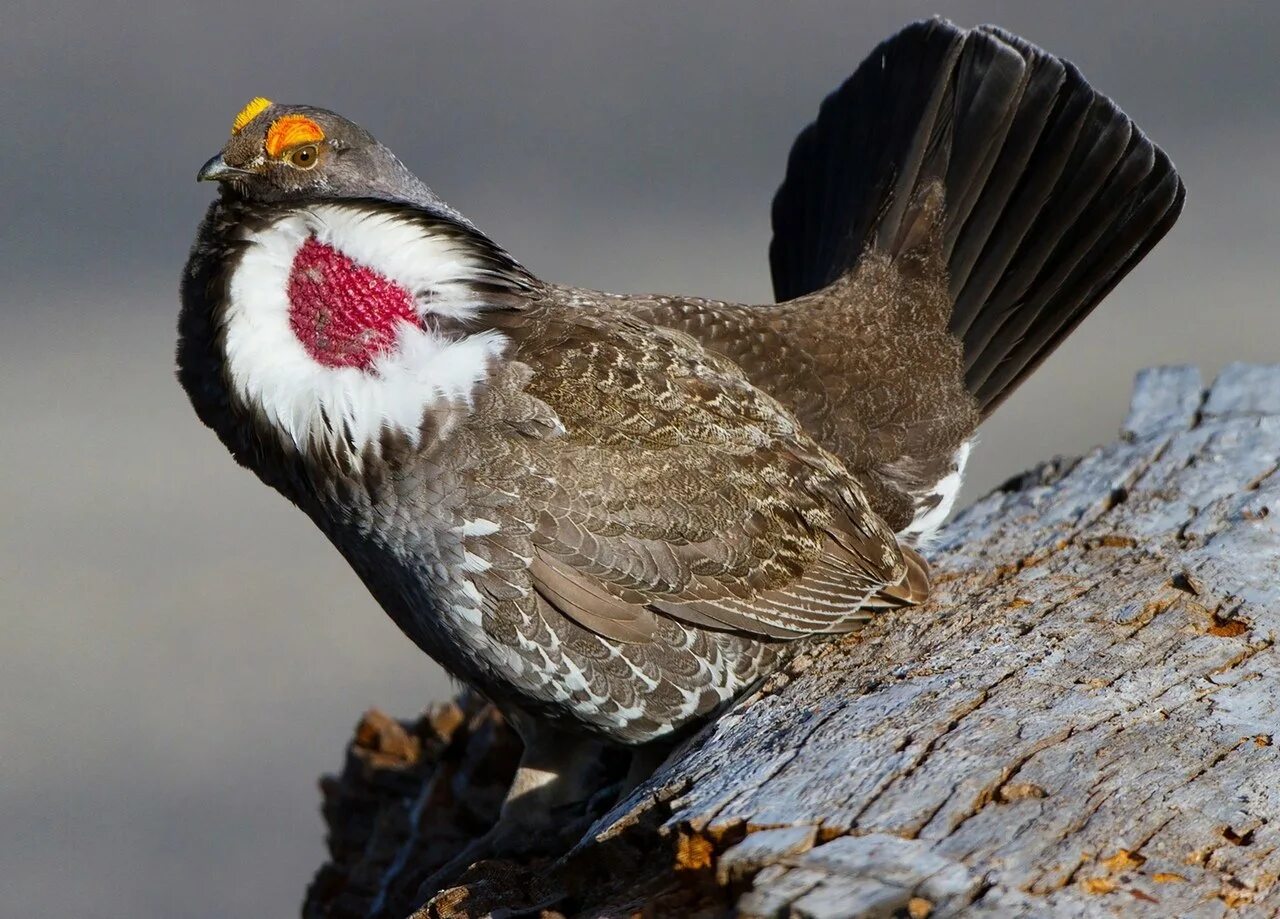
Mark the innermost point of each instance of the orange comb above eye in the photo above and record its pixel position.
(292, 131)
(251, 111)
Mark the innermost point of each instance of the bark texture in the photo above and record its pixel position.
(1081, 722)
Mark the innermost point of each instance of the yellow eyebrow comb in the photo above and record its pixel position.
(248, 113)
(292, 131)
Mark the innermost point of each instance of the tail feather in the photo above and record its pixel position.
(1051, 193)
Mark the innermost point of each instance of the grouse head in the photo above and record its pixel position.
(280, 153)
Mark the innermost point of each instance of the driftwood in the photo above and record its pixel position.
(1080, 723)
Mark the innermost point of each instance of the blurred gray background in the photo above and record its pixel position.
(182, 654)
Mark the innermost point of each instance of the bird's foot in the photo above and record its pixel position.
(517, 841)
(548, 806)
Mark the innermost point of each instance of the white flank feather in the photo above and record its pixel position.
(925, 525)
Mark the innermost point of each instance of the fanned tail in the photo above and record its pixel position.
(1051, 193)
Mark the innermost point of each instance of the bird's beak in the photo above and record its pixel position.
(217, 170)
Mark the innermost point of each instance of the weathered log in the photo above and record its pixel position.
(1081, 722)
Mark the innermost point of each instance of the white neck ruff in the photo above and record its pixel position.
(310, 404)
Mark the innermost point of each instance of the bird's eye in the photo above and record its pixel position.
(304, 157)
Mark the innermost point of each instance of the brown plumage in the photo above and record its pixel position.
(678, 488)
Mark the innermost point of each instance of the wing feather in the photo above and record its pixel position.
(670, 486)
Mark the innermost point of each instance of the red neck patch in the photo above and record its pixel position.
(344, 314)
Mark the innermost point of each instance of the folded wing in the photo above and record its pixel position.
(670, 486)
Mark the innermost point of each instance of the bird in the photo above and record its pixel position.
(613, 514)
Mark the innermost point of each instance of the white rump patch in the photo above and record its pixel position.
(926, 524)
(270, 369)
